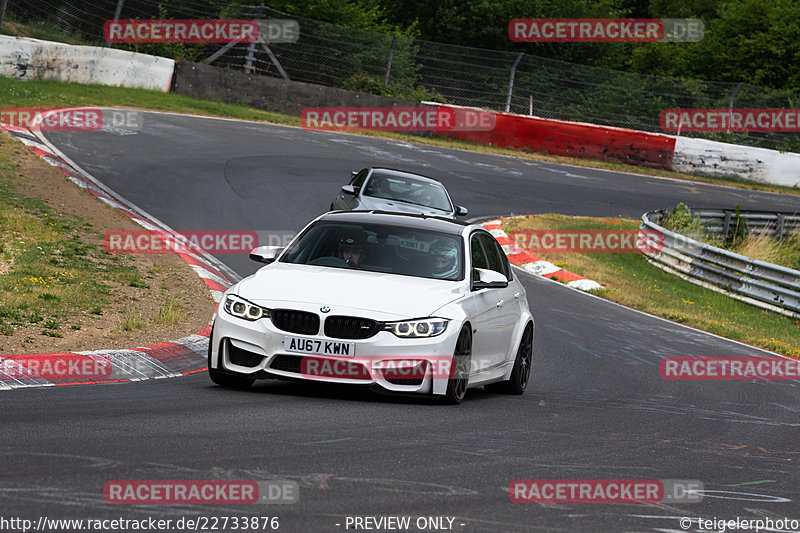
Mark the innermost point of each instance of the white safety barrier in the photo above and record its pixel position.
(716, 159)
(32, 59)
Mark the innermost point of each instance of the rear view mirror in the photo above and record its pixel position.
(461, 211)
(349, 189)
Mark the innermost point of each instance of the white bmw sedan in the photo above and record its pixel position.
(401, 303)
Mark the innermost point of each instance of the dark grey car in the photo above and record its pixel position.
(385, 189)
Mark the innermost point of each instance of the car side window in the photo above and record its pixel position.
(358, 179)
(494, 253)
(478, 255)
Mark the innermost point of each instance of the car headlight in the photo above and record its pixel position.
(423, 327)
(241, 308)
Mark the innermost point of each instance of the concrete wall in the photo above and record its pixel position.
(575, 139)
(716, 159)
(268, 93)
(32, 59)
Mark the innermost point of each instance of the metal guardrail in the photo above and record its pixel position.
(778, 225)
(757, 282)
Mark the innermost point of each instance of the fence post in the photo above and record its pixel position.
(730, 106)
(511, 81)
(117, 14)
(3, 12)
(389, 64)
(251, 55)
(251, 50)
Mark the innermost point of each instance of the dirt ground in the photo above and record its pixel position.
(167, 275)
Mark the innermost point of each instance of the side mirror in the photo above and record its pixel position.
(487, 279)
(461, 211)
(349, 189)
(265, 254)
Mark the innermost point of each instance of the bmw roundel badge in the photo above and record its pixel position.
(325, 309)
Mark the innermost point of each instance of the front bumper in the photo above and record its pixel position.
(407, 365)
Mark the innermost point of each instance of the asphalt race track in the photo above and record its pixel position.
(596, 408)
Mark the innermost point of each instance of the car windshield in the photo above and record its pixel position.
(407, 190)
(379, 248)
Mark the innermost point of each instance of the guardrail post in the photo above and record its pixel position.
(726, 224)
(779, 226)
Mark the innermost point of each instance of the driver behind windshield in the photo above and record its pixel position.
(351, 248)
(445, 259)
(378, 187)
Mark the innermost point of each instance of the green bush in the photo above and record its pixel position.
(681, 221)
(374, 85)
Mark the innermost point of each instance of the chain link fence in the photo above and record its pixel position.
(400, 66)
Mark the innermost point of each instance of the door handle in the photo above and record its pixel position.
(500, 303)
(516, 295)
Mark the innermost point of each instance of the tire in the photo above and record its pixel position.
(457, 385)
(521, 373)
(222, 379)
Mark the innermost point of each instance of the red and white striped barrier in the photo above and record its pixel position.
(669, 152)
(536, 265)
(167, 359)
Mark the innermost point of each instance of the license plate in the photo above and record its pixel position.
(319, 347)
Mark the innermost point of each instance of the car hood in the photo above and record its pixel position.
(384, 296)
(382, 204)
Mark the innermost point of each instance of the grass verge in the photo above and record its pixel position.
(629, 279)
(59, 289)
(48, 270)
(15, 93)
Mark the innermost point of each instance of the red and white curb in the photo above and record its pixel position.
(533, 264)
(167, 359)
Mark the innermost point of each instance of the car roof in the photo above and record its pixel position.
(440, 224)
(405, 174)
